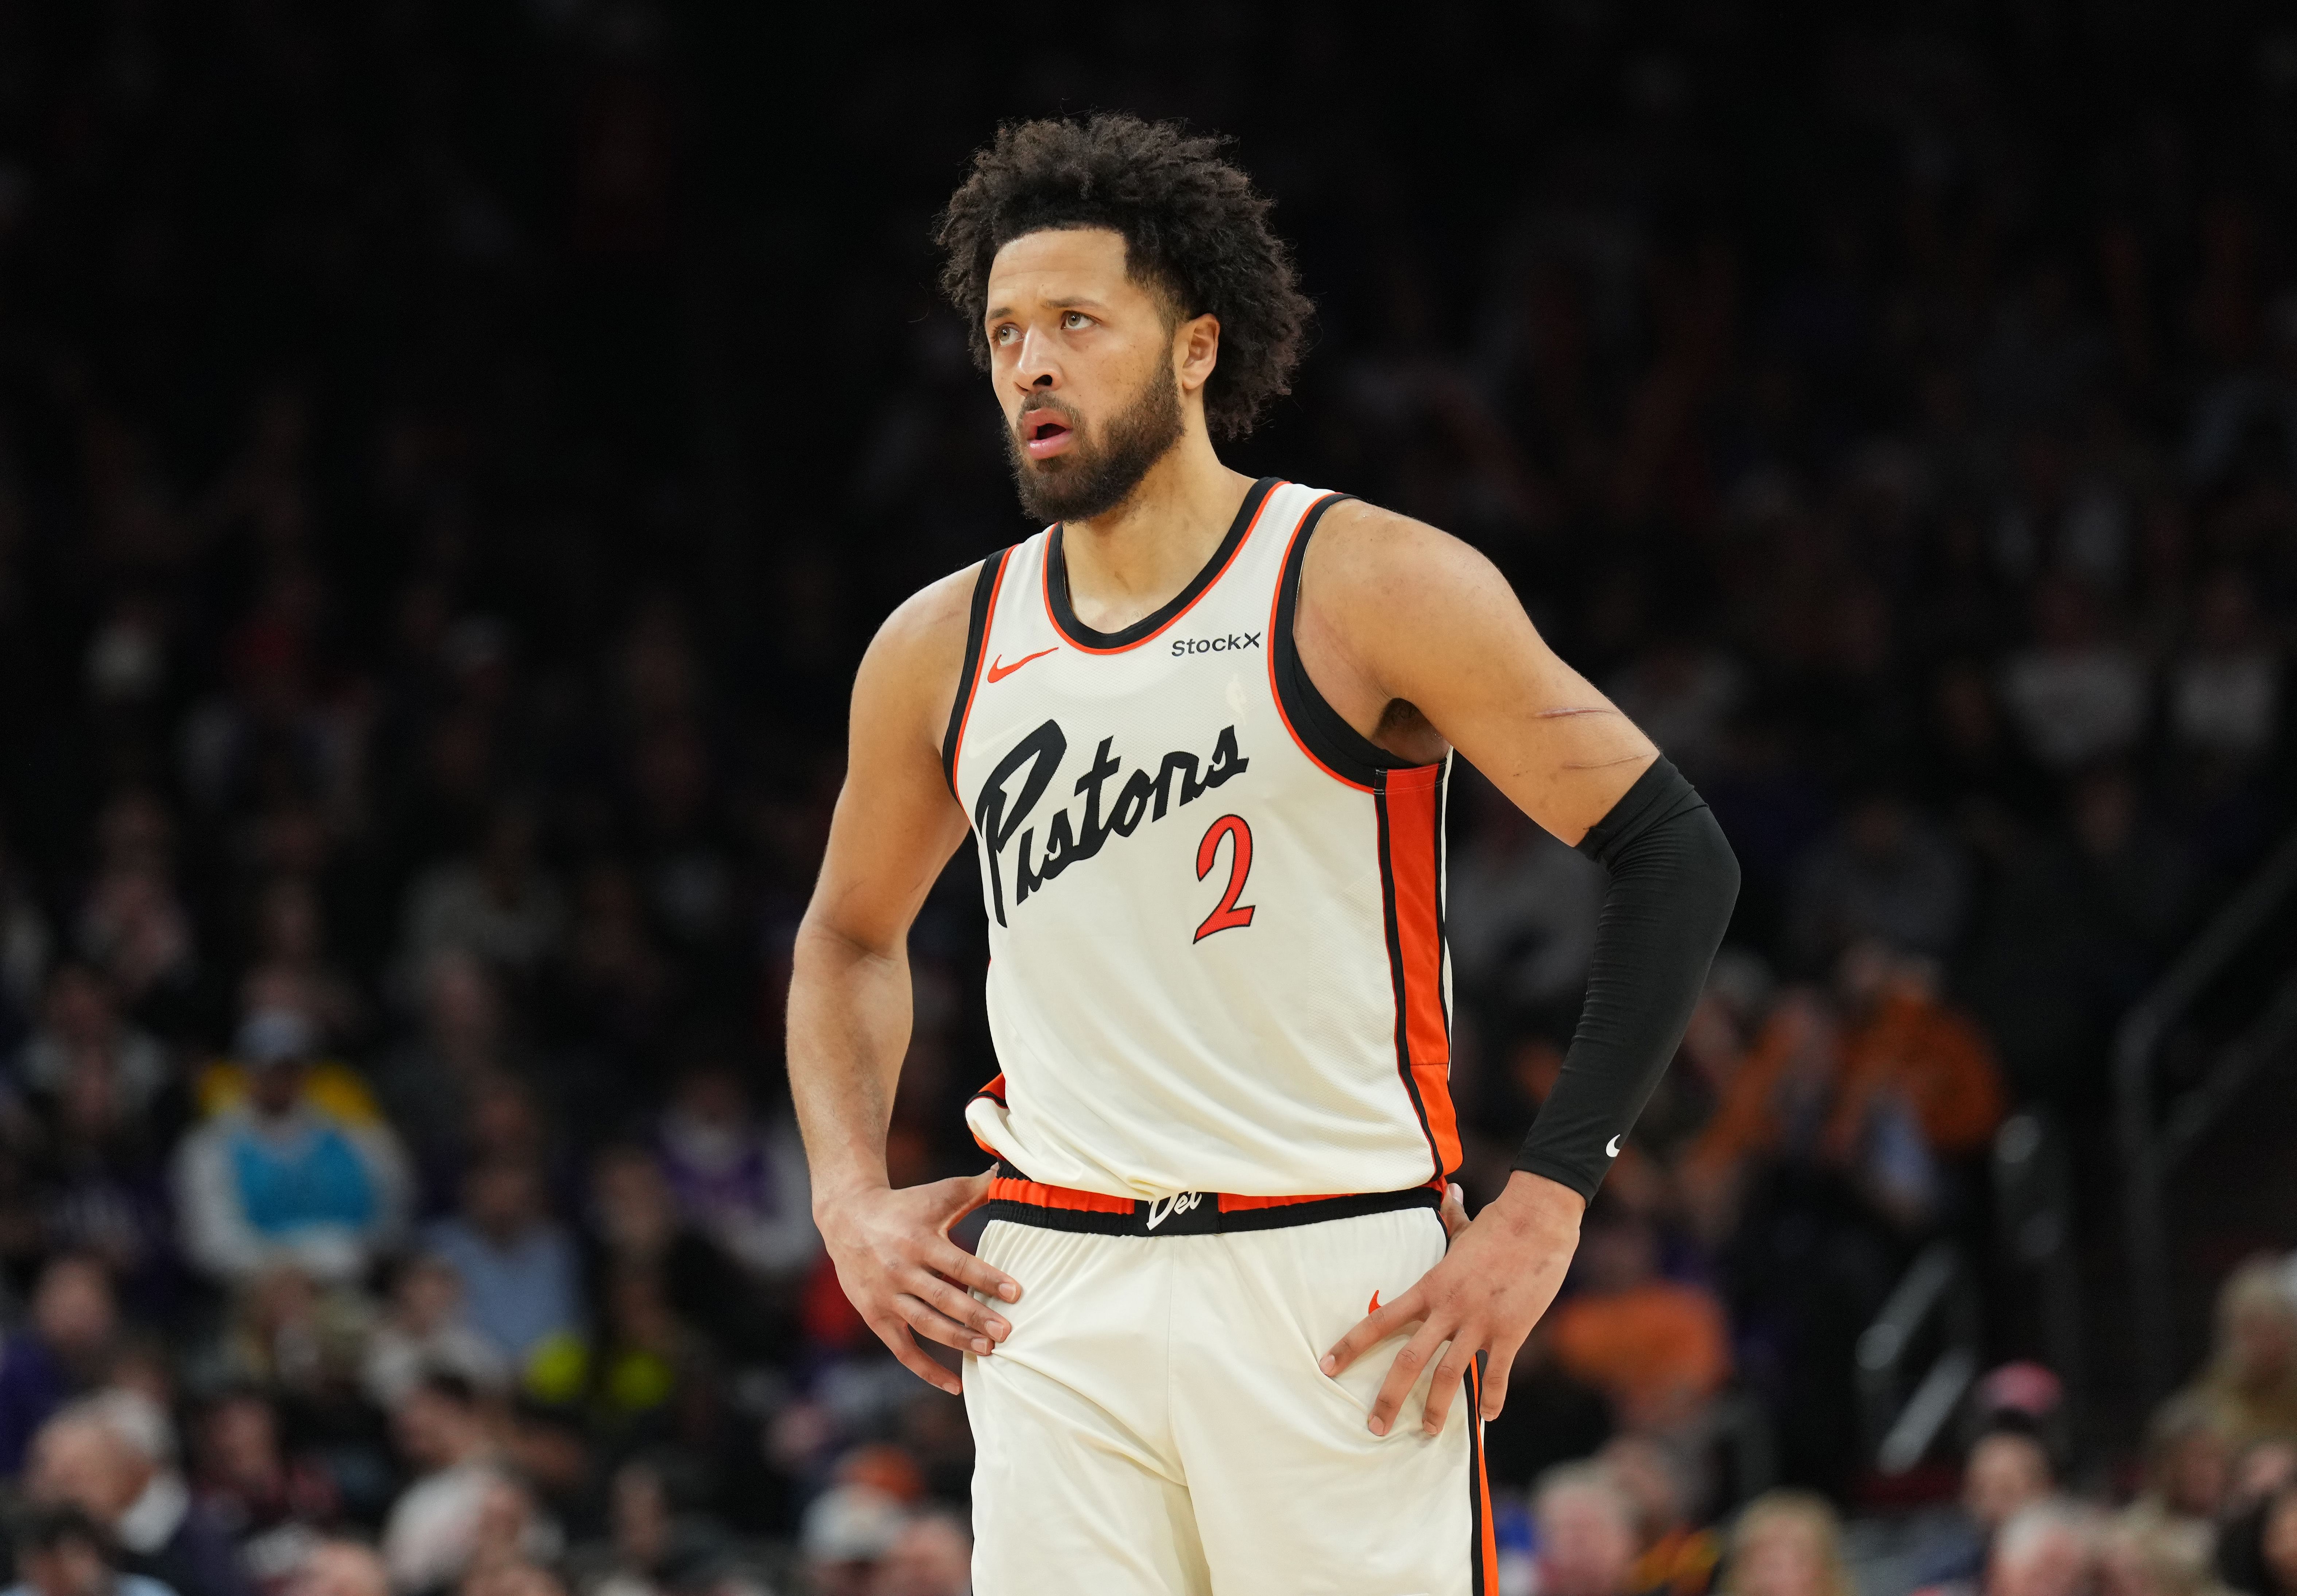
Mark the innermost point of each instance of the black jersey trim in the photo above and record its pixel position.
(1065, 620)
(969, 675)
(1396, 969)
(1323, 730)
(1480, 1500)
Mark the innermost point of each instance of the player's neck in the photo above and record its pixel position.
(1128, 563)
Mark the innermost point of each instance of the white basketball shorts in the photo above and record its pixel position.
(1157, 1424)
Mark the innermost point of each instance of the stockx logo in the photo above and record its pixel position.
(1003, 810)
(1229, 644)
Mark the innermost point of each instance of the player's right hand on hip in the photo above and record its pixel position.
(1453, 1213)
(902, 1273)
(1483, 1296)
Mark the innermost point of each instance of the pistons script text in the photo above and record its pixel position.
(1004, 808)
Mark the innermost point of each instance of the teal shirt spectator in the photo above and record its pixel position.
(315, 1178)
(282, 1178)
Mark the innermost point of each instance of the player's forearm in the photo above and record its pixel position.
(849, 1027)
(1673, 883)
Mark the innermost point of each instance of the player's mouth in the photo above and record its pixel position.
(1046, 432)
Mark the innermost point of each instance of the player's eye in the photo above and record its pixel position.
(1074, 321)
(1004, 334)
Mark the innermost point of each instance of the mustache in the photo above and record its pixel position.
(1036, 402)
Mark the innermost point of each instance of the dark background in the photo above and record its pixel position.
(438, 433)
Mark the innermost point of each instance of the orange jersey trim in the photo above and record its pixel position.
(1005, 1189)
(1413, 800)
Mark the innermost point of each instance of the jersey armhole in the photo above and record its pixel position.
(1323, 730)
(968, 676)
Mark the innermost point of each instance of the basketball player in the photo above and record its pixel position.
(1200, 729)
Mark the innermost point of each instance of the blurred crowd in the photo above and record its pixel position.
(425, 619)
(2209, 1508)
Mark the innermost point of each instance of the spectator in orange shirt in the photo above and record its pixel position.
(1879, 1077)
(1659, 1348)
(1905, 1049)
(1772, 1098)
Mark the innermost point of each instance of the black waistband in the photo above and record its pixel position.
(1200, 1214)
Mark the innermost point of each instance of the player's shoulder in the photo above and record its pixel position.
(1365, 552)
(931, 616)
(920, 650)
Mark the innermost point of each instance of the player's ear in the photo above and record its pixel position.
(1196, 350)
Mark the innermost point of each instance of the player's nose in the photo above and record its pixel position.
(1037, 366)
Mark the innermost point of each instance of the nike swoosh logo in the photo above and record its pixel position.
(998, 670)
(1375, 1305)
(1611, 1148)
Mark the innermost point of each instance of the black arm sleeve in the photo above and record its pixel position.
(1673, 880)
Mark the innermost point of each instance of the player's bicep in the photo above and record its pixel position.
(896, 823)
(1445, 631)
(1541, 732)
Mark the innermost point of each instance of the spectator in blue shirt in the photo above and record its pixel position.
(521, 1283)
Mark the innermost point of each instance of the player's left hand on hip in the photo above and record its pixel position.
(1501, 1273)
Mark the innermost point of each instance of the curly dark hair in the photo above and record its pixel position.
(1194, 228)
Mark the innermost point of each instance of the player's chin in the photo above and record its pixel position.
(1051, 466)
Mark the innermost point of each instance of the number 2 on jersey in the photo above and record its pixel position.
(1229, 912)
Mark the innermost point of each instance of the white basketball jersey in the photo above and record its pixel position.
(1215, 909)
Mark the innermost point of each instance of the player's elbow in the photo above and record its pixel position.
(827, 944)
(1703, 876)
(1715, 864)
(1686, 862)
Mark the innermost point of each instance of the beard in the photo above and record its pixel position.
(1097, 474)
